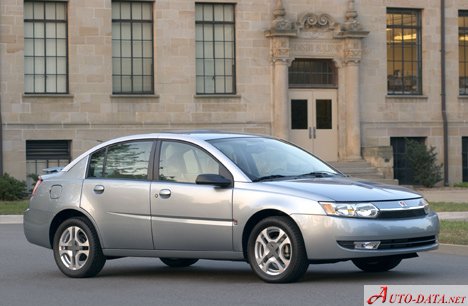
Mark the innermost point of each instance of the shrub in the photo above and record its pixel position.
(423, 162)
(11, 189)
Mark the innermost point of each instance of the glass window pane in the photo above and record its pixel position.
(39, 83)
(126, 48)
(218, 12)
(137, 83)
(209, 84)
(147, 31)
(148, 49)
(208, 49)
(61, 30)
(61, 11)
(219, 32)
(116, 84)
(61, 47)
(38, 10)
(39, 47)
(148, 67)
(199, 50)
(61, 65)
(137, 49)
(147, 84)
(96, 164)
(209, 67)
(115, 10)
(115, 30)
(51, 47)
(28, 47)
(29, 65)
(125, 10)
(137, 31)
(198, 12)
(50, 30)
(126, 30)
(199, 32)
(28, 83)
(228, 32)
(137, 66)
(219, 67)
(116, 66)
(116, 48)
(136, 11)
(28, 30)
(323, 114)
(28, 10)
(299, 115)
(50, 10)
(200, 84)
(39, 65)
(51, 65)
(207, 12)
(126, 66)
(61, 83)
(208, 32)
(229, 85)
(147, 11)
(51, 83)
(229, 12)
(126, 84)
(219, 50)
(220, 86)
(38, 30)
(199, 67)
(229, 50)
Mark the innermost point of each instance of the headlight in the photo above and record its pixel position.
(358, 210)
(425, 204)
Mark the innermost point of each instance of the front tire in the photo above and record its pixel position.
(377, 264)
(178, 262)
(276, 250)
(77, 251)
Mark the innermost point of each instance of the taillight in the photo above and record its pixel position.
(39, 181)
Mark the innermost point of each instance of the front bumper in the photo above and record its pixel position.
(321, 234)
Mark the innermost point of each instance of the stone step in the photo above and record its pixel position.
(363, 170)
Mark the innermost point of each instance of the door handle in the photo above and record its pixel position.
(98, 189)
(312, 132)
(165, 193)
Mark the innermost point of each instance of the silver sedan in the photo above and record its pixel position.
(182, 197)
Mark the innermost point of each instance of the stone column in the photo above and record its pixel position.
(352, 35)
(280, 32)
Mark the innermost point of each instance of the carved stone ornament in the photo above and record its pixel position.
(280, 23)
(351, 22)
(311, 20)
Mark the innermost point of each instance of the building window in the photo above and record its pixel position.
(215, 48)
(45, 47)
(45, 154)
(463, 51)
(404, 60)
(132, 48)
(305, 73)
(465, 158)
(401, 168)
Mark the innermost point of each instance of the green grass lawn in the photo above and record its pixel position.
(453, 232)
(13, 207)
(447, 206)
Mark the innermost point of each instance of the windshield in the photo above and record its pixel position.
(265, 158)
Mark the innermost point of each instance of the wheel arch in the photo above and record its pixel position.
(257, 217)
(66, 214)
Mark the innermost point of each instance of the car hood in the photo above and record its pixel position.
(343, 189)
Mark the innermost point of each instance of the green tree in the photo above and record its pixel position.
(423, 163)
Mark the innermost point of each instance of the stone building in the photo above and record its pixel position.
(347, 80)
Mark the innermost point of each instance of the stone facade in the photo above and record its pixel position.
(269, 35)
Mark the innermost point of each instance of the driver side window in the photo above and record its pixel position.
(180, 162)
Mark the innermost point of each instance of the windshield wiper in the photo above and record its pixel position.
(319, 174)
(268, 177)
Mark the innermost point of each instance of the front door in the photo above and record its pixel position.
(313, 121)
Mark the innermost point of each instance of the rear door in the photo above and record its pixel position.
(116, 193)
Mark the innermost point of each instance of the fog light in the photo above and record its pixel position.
(366, 245)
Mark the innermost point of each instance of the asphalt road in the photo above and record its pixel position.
(28, 276)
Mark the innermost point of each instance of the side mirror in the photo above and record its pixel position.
(213, 179)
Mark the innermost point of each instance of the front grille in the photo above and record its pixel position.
(401, 213)
(396, 243)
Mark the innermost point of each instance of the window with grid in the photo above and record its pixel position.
(132, 48)
(404, 60)
(44, 154)
(463, 51)
(45, 47)
(312, 73)
(215, 48)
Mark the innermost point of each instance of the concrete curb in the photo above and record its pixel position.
(11, 219)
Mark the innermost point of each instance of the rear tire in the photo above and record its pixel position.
(77, 251)
(178, 262)
(377, 264)
(276, 250)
